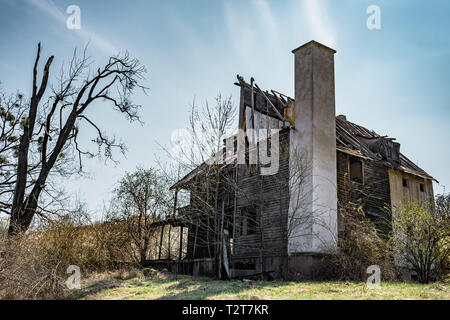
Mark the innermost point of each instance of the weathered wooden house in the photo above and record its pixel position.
(281, 224)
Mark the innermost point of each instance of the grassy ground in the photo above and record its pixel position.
(164, 286)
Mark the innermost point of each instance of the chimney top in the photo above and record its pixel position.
(314, 43)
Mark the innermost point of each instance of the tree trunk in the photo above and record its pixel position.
(20, 222)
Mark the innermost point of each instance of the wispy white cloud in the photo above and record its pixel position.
(241, 35)
(319, 23)
(266, 21)
(251, 28)
(48, 7)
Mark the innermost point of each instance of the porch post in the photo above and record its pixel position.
(180, 250)
(160, 242)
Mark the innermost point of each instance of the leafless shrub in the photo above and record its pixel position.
(29, 270)
(362, 242)
(34, 265)
(360, 246)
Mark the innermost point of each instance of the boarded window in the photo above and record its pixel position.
(356, 170)
(248, 221)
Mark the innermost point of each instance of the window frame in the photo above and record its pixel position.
(405, 183)
(247, 223)
(356, 159)
(422, 187)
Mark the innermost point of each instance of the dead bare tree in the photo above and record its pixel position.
(49, 131)
(12, 110)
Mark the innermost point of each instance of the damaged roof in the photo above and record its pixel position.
(351, 138)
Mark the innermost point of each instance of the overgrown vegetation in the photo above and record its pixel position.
(361, 245)
(362, 242)
(34, 265)
(421, 237)
(414, 236)
(140, 204)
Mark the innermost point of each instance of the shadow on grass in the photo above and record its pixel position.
(206, 288)
(94, 288)
(170, 287)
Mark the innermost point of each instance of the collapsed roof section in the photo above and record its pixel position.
(350, 137)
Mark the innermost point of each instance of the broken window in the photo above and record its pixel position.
(248, 221)
(356, 170)
(405, 183)
(422, 187)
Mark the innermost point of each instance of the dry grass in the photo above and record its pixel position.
(168, 287)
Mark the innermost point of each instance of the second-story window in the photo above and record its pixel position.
(405, 183)
(356, 169)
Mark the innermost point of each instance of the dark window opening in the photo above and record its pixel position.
(422, 187)
(244, 266)
(405, 183)
(356, 170)
(248, 221)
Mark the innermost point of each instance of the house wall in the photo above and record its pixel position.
(270, 195)
(373, 194)
(381, 186)
(411, 193)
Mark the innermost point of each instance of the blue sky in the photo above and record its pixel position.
(394, 80)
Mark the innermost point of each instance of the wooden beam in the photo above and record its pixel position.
(168, 241)
(270, 102)
(180, 250)
(160, 242)
(175, 202)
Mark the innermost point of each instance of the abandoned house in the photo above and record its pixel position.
(282, 224)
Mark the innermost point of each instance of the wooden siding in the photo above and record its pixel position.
(372, 195)
(270, 195)
(410, 193)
